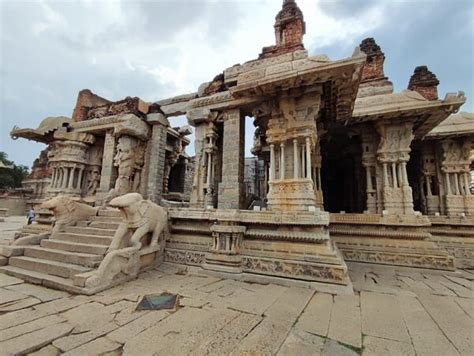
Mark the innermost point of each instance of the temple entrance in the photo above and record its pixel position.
(342, 174)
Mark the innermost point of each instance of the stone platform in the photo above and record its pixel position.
(455, 235)
(287, 248)
(395, 311)
(401, 240)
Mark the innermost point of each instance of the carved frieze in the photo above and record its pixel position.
(185, 257)
(293, 269)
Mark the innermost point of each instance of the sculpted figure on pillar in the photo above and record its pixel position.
(93, 182)
(131, 136)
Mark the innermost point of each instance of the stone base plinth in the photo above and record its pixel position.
(291, 195)
(455, 205)
(276, 246)
(456, 236)
(223, 263)
(401, 240)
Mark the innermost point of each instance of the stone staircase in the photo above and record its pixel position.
(79, 249)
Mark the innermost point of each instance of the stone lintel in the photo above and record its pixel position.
(157, 118)
(198, 116)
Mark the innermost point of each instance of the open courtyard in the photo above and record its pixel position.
(394, 311)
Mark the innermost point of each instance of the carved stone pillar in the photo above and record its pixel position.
(272, 163)
(203, 121)
(369, 161)
(282, 160)
(296, 171)
(226, 244)
(232, 188)
(107, 175)
(308, 158)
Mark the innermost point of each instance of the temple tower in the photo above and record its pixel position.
(289, 31)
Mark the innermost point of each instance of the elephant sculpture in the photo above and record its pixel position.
(140, 218)
(67, 211)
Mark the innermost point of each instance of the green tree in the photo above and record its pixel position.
(11, 178)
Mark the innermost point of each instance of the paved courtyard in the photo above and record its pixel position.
(11, 225)
(395, 311)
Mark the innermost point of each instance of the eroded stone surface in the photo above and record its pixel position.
(265, 319)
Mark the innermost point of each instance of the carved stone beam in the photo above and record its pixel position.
(198, 116)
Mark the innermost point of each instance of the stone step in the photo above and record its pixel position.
(74, 247)
(104, 225)
(44, 279)
(109, 212)
(84, 239)
(76, 258)
(90, 231)
(107, 219)
(60, 269)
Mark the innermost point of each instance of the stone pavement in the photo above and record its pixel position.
(395, 311)
(11, 225)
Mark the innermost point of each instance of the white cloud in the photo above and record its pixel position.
(157, 49)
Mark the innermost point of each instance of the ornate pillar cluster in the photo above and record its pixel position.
(455, 169)
(69, 158)
(393, 154)
(295, 162)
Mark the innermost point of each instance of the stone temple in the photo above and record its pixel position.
(345, 169)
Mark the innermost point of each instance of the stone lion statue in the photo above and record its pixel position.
(67, 211)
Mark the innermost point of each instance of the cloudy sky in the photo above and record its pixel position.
(154, 49)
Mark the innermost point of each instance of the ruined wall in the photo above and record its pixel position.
(15, 205)
(424, 82)
(86, 100)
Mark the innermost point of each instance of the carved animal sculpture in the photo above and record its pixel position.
(140, 218)
(122, 259)
(67, 211)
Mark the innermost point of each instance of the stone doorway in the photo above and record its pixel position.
(342, 174)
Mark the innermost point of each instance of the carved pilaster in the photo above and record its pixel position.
(393, 154)
(455, 166)
(224, 254)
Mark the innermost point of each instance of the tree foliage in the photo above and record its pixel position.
(11, 178)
